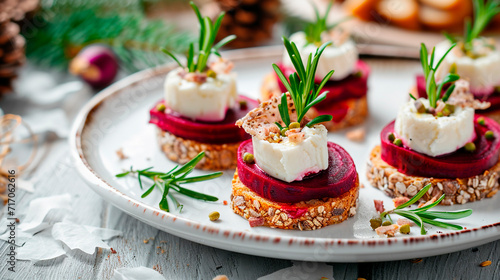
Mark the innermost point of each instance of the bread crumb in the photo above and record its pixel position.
(120, 154)
(485, 263)
(221, 277)
(356, 135)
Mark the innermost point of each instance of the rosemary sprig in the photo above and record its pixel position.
(423, 216)
(197, 59)
(171, 180)
(484, 12)
(313, 30)
(301, 86)
(434, 89)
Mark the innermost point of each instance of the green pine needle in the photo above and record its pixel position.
(171, 180)
(421, 216)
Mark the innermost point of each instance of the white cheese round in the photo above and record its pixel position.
(290, 162)
(341, 58)
(206, 101)
(483, 73)
(432, 135)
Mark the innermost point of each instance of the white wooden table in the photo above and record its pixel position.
(176, 258)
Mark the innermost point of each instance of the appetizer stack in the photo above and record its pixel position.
(441, 141)
(201, 105)
(289, 176)
(346, 101)
(475, 58)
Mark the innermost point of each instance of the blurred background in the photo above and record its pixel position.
(101, 41)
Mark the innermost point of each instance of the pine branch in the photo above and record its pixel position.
(66, 26)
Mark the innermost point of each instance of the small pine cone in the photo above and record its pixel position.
(252, 21)
(12, 54)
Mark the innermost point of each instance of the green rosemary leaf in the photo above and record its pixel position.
(450, 37)
(190, 164)
(318, 99)
(190, 57)
(319, 119)
(445, 54)
(199, 178)
(441, 224)
(224, 41)
(164, 202)
(174, 200)
(139, 178)
(446, 215)
(425, 208)
(324, 81)
(120, 175)
(448, 93)
(279, 125)
(194, 194)
(424, 56)
(172, 56)
(282, 78)
(416, 197)
(431, 62)
(449, 78)
(412, 97)
(285, 117)
(148, 191)
(414, 217)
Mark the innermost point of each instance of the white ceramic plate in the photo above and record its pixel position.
(118, 118)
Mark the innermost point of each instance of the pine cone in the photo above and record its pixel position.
(11, 42)
(252, 21)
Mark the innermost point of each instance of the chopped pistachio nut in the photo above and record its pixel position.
(439, 114)
(248, 158)
(214, 216)
(470, 147)
(481, 121)
(243, 104)
(358, 74)
(375, 222)
(283, 131)
(398, 142)
(161, 107)
(211, 74)
(386, 223)
(489, 135)
(294, 125)
(420, 107)
(404, 229)
(391, 137)
(453, 68)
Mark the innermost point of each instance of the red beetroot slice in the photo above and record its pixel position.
(459, 164)
(207, 132)
(338, 179)
(494, 98)
(353, 86)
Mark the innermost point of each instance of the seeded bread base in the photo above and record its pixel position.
(457, 191)
(217, 156)
(356, 114)
(320, 212)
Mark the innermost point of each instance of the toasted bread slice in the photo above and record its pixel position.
(315, 213)
(457, 191)
(402, 13)
(363, 9)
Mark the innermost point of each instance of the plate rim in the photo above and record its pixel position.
(99, 184)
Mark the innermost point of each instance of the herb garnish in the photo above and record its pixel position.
(313, 30)
(301, 86)
(484, 11)
(172, 180)
(422, 216)
(197, 61)
(433, 89)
